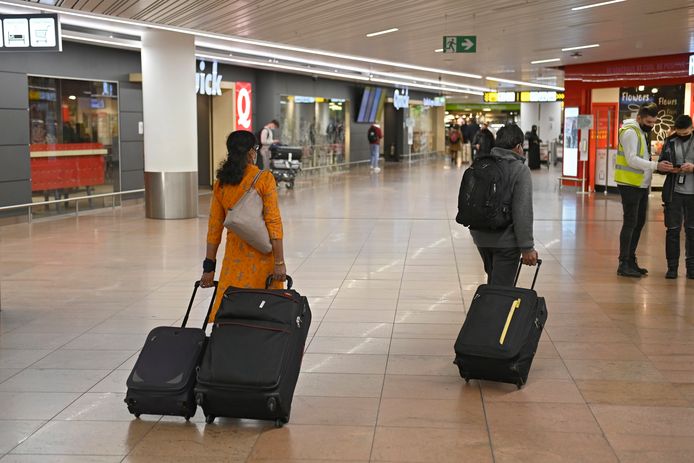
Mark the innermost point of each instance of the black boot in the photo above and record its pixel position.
(635, 265)
(671, 273)
(625, 269)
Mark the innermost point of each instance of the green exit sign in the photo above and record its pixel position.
(459, 43)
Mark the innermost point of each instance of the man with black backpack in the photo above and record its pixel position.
(496, 203)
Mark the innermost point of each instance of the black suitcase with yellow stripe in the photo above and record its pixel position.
(501, 333)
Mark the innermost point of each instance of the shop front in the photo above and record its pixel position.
(612, 92)
(71, 128)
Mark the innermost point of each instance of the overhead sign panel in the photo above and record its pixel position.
(459, 43)
(523, 97)
(30, 32)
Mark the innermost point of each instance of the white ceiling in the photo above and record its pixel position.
(511, 33)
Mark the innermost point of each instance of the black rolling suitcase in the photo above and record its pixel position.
(501, 333)
(163, 379)
(253, 357)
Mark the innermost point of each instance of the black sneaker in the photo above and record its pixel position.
(625, 269)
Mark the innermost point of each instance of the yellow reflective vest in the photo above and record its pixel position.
(624, 173)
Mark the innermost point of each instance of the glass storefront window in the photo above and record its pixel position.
(74, 141)
(317, 125)
(424, 119)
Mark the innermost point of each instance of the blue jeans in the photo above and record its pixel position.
(374, 154)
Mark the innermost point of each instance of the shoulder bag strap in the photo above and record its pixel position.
(248, 190)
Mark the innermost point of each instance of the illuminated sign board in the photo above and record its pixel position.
(244, 110)
(571, 135)
(30, 32)
(439, 101)
(691, 65)
(401, 99)
(523, 97)
(208, 84)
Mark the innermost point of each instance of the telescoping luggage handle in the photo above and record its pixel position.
(269, 279)
(537, 270)
(209, 309)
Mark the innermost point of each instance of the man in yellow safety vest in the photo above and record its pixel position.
(633, 174)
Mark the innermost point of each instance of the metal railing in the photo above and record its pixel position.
(29, 206)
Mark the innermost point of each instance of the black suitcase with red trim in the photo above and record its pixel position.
(252, 361)
(501, 333)
(163, 378)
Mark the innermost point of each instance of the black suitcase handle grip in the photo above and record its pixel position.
(192, 299)
(269, 279)
(537, 270)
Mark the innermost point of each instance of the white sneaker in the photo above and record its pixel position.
(377, 169)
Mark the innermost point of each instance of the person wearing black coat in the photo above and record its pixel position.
(533, 148)
(483, 141)
(678, 196)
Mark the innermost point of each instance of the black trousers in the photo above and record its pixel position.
(680, 210)
(635, 206)
(500, 264)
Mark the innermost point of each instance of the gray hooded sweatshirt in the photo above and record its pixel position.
(520, 233)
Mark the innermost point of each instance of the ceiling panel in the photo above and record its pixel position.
(511, 33)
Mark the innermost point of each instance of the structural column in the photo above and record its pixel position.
(170, 127)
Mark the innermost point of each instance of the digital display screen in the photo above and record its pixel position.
(371, 105)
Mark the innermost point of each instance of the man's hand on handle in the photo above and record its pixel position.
(529, 257)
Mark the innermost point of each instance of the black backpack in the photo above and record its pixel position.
(484, 200)
(372, 135)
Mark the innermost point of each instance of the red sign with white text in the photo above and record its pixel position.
(244, 110)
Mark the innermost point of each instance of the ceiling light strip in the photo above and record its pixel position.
(105, 41)
(527, 84)
(595, 5)
(581, 47)
(550, 60)
(387, 31)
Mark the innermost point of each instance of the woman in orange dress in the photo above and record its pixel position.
(243, 266)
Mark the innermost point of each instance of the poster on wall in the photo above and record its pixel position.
(570, 162)
(670, 101)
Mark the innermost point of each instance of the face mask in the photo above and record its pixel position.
(646, 128)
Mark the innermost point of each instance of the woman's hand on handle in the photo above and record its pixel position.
(207, 280)
(280, 272)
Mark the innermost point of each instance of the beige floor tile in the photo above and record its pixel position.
(536, 390)
(104, 341)
(519, 446)
(45, 341)
(334, 411)
(655, 421)
(426, 331)
(105, 406)
(614, 370)
(305, 442)
(339, 385)
(428, 387)
(421, 365)
(541, 417)
(84, 359)
(462, 414)
(368, 316)
(438, 347)
(59, 459)
(46, 380)
(455, 318)
(34, 405)
(631, 393)
(344, 363)
(20, 358)
(114, 382)
(339, 345)
(354, 329)
(599, 351)
(653, 449)
(101, 438)
(429, 445)
(175, 440)
(6, 373)
(13, 432)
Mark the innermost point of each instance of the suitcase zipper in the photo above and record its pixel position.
(285, 294)
(257, 327)
(511, 311)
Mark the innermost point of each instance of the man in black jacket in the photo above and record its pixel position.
(483, 141)
(678, 196)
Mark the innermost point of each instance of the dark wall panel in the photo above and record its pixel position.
(14, 127)
(15, 163)
(11, 191)
(132, 180)
(132, 156)
(14, 93)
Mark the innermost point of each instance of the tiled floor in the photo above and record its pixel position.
(389, 275)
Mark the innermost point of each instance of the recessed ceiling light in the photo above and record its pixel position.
(72, 97)
(654, 90)
(550, 60)
(581, 47)
(642, 88)
(593, 5)
(527, 84)
(387, 31)
(438, 50)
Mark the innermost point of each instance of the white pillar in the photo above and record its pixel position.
(170, 127)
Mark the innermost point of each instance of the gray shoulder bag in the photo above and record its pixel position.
(245, 219)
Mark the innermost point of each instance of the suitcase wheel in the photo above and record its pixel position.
(279, 422)
(187, 417)
(209, 419)
(467, 380)
(137, 415)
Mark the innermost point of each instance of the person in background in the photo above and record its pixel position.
(501, 249)
(533, 148)
(455, 140)
(469, 133)
(243, 266)
(374, 136)
(633, 174)
(483, 141)
(267, 138)
(678, 196)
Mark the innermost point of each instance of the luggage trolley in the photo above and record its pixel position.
(285, 163)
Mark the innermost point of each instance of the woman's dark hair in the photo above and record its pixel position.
(648, 109)
(509, 136)
(238, 144)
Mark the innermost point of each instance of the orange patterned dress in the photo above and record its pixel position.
(243, 266)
